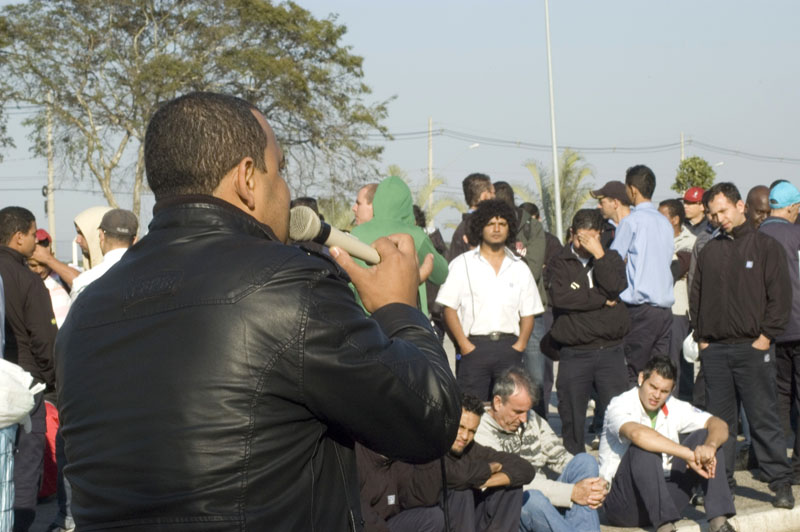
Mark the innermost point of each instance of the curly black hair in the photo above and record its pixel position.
(487, 210)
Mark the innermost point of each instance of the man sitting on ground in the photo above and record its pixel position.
(484, 486)
(568, 503)
(652, 469)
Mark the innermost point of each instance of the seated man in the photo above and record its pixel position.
(566, 503)
(652, 469)
(484, 486)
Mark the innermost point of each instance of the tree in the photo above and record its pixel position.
(574, 191)
(693, 172)
(109, 64)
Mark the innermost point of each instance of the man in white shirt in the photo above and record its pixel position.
(117, 231)
(651, 467)
(489, 300)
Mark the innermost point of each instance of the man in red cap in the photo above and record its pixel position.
(696, 220)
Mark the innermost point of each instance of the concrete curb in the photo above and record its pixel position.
(773, 520)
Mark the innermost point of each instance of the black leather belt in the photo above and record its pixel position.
(493, 336)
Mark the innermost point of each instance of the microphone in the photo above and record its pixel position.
(305, 225)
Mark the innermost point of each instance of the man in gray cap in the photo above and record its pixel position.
(614, 204)
(117, 233)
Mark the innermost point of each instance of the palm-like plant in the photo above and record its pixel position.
(575, 190)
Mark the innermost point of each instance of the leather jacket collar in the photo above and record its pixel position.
(201, 210)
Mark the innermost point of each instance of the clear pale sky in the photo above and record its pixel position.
(626, 74)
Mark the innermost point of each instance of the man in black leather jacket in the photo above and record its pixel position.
(215, 378)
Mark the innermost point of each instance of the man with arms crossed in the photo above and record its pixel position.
(651, 468)
(214, 363)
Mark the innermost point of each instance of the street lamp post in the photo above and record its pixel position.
(556, 180)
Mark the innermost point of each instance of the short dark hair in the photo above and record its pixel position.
(662, 365)
(305, 201)
(474, 185)
(470, 403)
(641, 178)
(674, 208)
(487, 210)
(512, 379)
(530, 208)
(503, 191)
(194, 140)
(727, 189)
(14, 220)
(587, 219)
(419, 216)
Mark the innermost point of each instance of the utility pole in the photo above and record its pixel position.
(683, 156)
(51, 193)
(556, 177)
(430, 166)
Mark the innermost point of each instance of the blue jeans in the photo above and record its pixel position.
(539, 515)
(536, 362)
(7, 437)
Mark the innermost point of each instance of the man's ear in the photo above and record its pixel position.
(497, 402)
(641, 378)
(244, 182)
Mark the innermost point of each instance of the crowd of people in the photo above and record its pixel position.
(214, 375)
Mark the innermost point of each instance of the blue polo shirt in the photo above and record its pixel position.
(644, 239)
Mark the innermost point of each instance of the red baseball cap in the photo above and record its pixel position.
(694, 195)
(43, 236)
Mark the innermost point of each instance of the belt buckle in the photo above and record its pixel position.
(494, 336)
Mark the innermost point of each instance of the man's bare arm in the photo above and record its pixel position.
(648, 439)
(454, 326)
(525, 330)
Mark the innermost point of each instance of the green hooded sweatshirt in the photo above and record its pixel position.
(393, 211)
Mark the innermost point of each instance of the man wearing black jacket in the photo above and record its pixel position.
(216, 378)
(584, 283)
(484, 486)
(31, 329)
(740, 301)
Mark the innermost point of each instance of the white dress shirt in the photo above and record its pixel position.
(489, 301)
(674, 418)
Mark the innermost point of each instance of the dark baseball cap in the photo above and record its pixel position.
(120, 222)
(612, 189)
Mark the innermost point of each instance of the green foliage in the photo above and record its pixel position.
(338, 211)
(575, 192)
(109, 64)
(693, 172)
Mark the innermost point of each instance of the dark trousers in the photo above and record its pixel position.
(787, 358)
(578, 370)
(495, 510)
(741, 374)
(685, 381)
(476, 371)
(28, 466)
(648, 337)
(641, 495)
(422, 519)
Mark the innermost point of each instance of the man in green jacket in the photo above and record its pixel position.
(393, 210)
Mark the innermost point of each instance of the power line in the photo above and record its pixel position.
(655, 148)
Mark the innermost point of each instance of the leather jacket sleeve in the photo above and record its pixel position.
(384, 381)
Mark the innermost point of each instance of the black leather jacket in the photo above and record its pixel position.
(215, 379)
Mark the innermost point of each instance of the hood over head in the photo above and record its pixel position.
(88, 222)
(393, 201)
